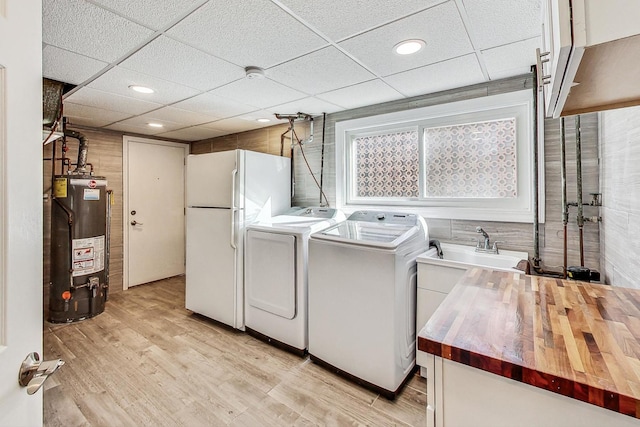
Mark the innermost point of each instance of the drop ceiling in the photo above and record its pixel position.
(317, 56)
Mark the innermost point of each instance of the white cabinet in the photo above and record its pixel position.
(459, 395)
(592, 62)
(434, 284)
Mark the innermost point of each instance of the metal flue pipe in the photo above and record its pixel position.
(83, 148)
(579, 188)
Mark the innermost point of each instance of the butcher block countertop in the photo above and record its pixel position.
(578, 339)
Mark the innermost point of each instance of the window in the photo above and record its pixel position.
(465, 160)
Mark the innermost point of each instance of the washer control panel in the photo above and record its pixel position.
(384, 217)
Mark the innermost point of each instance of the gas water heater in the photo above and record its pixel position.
(79, 242)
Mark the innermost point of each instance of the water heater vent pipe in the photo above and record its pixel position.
(83, 148)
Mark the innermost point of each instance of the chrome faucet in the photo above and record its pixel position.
(486, 239)
(484, 245)
(434, 243)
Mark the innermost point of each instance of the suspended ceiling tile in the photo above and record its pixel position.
(310, 105)
(91, 116)
(171, 60)
(117, 80)
(320, 71)
(241, 123)
(459, 72)
(214, 105)
(511, 60)
(89, 30)
(268, 35)
(130, 128)
(262, 93)
(176, 115)
(110, 101)
(194, 133)
(360, 95)
(154, 14)
(68, 67)
(144, 120)
(339, 19)
(498, 22)
(440, 27)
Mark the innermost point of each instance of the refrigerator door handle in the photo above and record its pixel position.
(234, 209)
(234, 174)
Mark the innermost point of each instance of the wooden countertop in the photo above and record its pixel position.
(578, 339)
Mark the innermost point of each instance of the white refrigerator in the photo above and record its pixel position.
(225, 192)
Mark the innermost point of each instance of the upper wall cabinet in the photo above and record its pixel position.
(591, 55)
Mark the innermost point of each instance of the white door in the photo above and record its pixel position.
(154, 210)
(20, 205)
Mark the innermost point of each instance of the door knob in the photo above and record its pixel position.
(33, 373)
(134, 222)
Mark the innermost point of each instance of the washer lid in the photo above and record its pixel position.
(302, 220)
(381, 235)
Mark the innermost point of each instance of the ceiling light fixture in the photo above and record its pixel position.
(263, 120)
(408, 47)
(155, 125)
(254, 73)
(141, 89)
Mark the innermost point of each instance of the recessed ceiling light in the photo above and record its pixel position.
(264, 120)
(155, 125)
(141, 89)
(408, 47)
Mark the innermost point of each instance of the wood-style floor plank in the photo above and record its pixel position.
(147, 361)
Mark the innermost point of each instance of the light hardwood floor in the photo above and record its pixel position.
(147, 361)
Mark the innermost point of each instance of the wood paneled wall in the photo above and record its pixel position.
(620, 181)
(517, 236)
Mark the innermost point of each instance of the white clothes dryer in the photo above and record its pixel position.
(362, 297)
(276, 275)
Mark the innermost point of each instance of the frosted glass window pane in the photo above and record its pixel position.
(476, 160)
(387, 165)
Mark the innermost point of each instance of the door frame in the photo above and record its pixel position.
(126, 141)
(21, 232)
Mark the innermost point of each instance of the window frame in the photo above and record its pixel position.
(519, 104)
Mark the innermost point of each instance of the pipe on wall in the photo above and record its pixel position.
(563, 180)
(579, 188)
(83, 148)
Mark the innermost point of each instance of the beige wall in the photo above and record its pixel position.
(620, 181)
(517, 236)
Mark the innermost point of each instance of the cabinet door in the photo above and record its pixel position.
(557, 41)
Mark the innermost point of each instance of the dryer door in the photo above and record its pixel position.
(270, 272)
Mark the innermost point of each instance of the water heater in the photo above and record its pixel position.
(79, 246)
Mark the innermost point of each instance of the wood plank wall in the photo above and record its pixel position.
(620, 181)
(517, 236)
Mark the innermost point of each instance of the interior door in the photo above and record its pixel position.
(20, 206)
(154, 210)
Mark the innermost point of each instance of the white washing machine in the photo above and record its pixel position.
(362, 297)
(276, 275)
